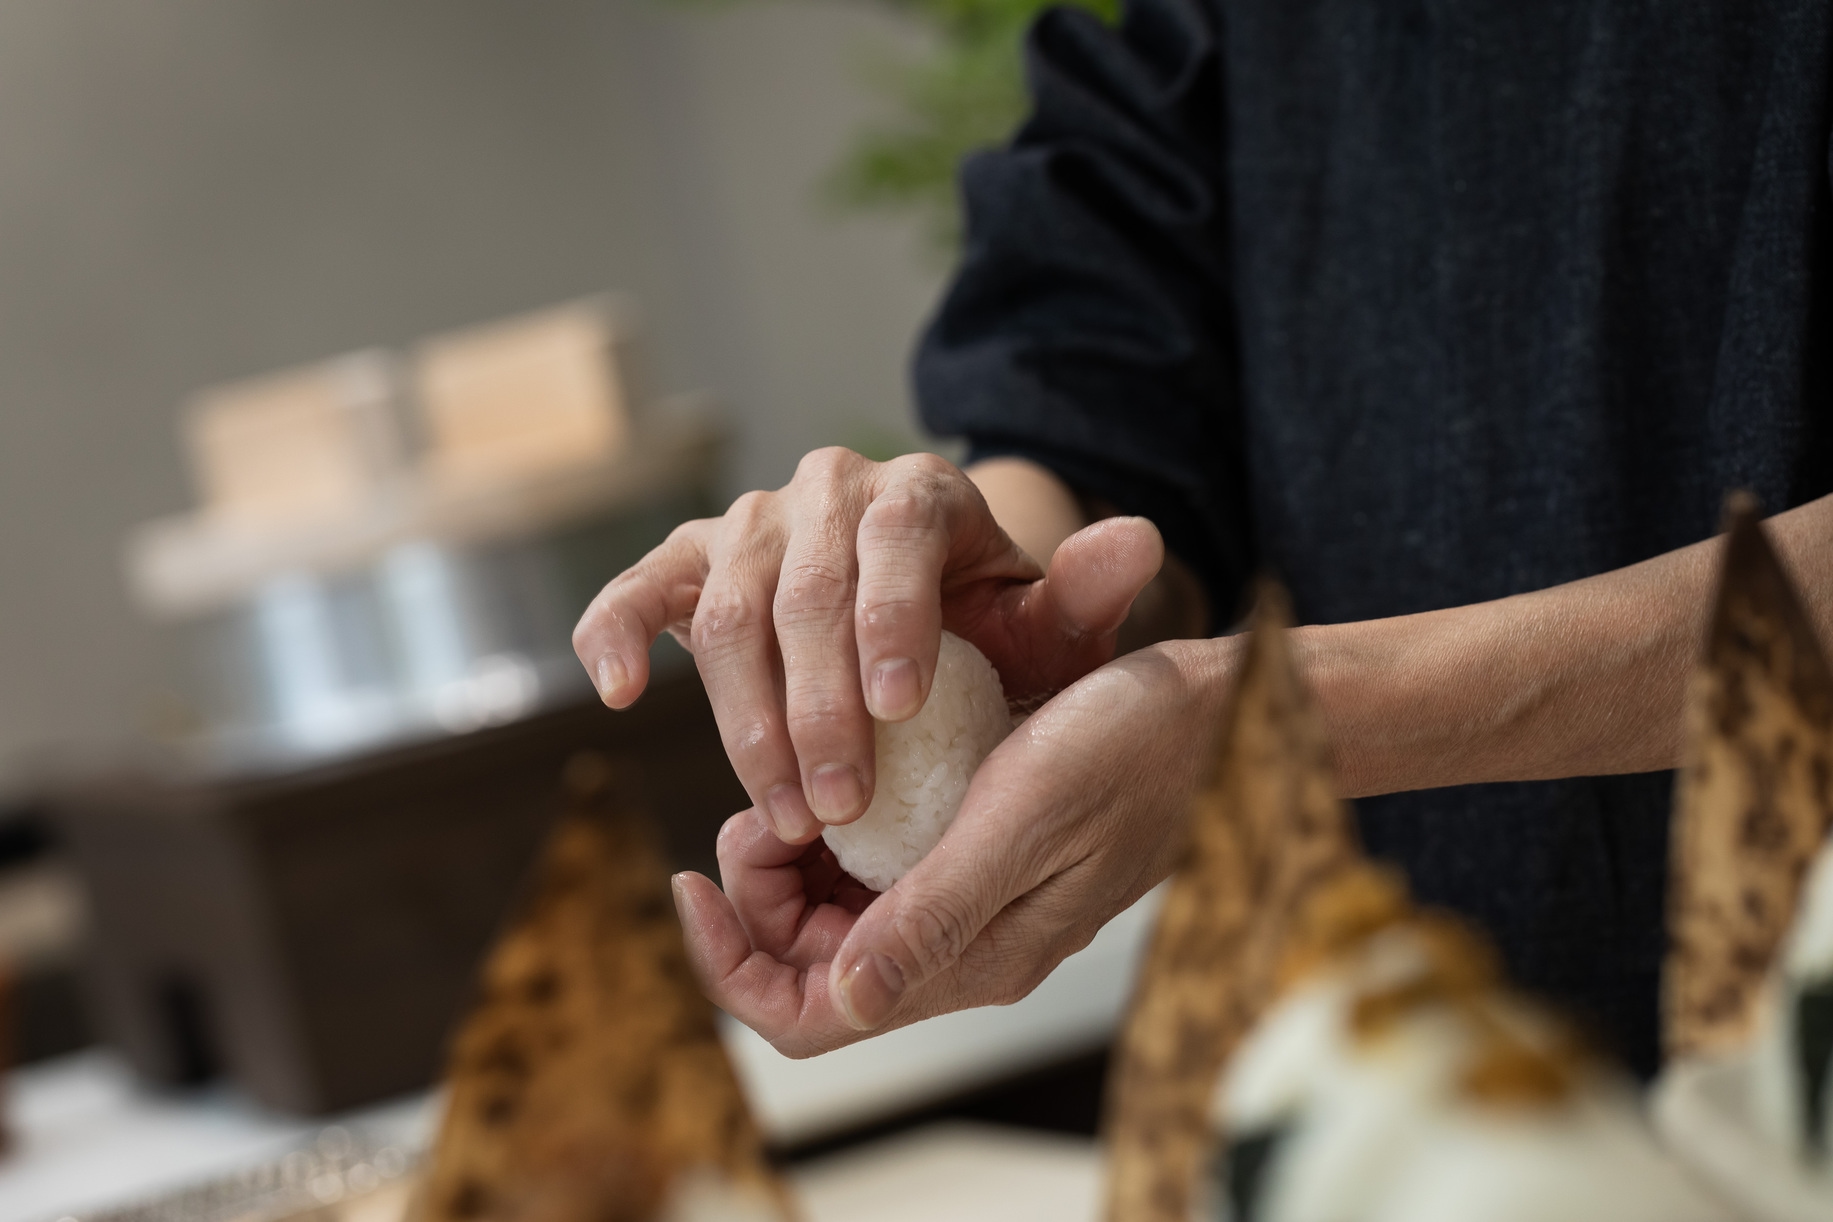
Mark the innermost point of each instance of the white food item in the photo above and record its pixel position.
(703, 1194)
(1810, 945)
(1778, 1090)
(1593, 1159)
(1741, 1119)
(1377, 1127)
(924, 766)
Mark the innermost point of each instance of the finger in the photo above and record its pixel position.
(735, 650)
(918, 931)
(905, 540)
(656, 594)
(715, 940)
(791, 900)
(1052, 632)
(792, 1006)
(1097, 573)
(813, 615)
(787, 1006)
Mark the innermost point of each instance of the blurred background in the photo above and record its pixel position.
(198, 191)
(346, 346)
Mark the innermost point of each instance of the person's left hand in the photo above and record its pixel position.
(1070, 820)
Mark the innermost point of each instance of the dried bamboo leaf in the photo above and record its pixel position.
(589, 1078)
(1263, 835)
(1754, 799)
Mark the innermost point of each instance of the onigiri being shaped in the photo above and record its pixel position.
(924, 766)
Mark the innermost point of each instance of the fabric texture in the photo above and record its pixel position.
(1416, 304)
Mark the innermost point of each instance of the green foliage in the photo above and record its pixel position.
(966, 94)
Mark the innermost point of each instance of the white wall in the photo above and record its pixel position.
(195, 190)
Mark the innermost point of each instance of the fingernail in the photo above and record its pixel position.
(869, 990)
(836, 793)
(611, 675)
(684, 901)
(895, 691)
(789, 814)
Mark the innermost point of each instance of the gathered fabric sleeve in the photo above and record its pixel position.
(1089, 327)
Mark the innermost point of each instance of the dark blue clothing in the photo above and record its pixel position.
(1418, 303)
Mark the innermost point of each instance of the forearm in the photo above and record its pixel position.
(1030, 503)
(1581, 679)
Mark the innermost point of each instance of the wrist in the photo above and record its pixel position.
(1347, 677)
(1356, 682)
(1206, 670)
(1036, 509)
(1420, 701)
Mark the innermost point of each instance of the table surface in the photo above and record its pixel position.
(89, 1138)
(87, 1135)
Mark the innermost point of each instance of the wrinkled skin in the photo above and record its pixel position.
(1068, 822)
(814, 608)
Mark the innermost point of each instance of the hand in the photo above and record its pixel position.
(1070, 820)
(813, 609)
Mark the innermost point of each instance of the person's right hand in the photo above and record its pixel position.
(813, 609)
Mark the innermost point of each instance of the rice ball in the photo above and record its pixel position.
(924, 765)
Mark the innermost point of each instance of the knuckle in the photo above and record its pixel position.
(934, 933)
(731, 839)
(749, 747)
(827, 464)
(818, 715)
(885, 607)
(749, 513)
(1075, 940)
(1022, 974)
(583, 632)
(819, 583)
(924, 465)
(905, 510)
(685, 535)
(724, 620)
(932, 480)
(789, 1043)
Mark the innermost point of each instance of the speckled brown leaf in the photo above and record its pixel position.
(1753, 801)
(589, 1076)
(1265, 833)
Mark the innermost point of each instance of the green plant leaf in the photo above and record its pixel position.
(966, 94)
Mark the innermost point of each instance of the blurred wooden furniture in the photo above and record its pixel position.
(312, 934)
(308, 442)
(339, 590)
(541, 391)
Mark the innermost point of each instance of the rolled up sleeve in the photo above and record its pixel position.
(1089, 327)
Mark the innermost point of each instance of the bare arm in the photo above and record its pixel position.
(1077, 813)
(1580, 679)
(1030, 503)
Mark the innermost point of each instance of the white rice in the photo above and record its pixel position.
(924, 765)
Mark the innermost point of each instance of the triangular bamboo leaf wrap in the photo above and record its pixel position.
(1754, 800)
(589, 1078)
(1263, 835)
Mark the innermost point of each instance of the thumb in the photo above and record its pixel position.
(1058, 629)
(914, 932)
(1097, 572)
